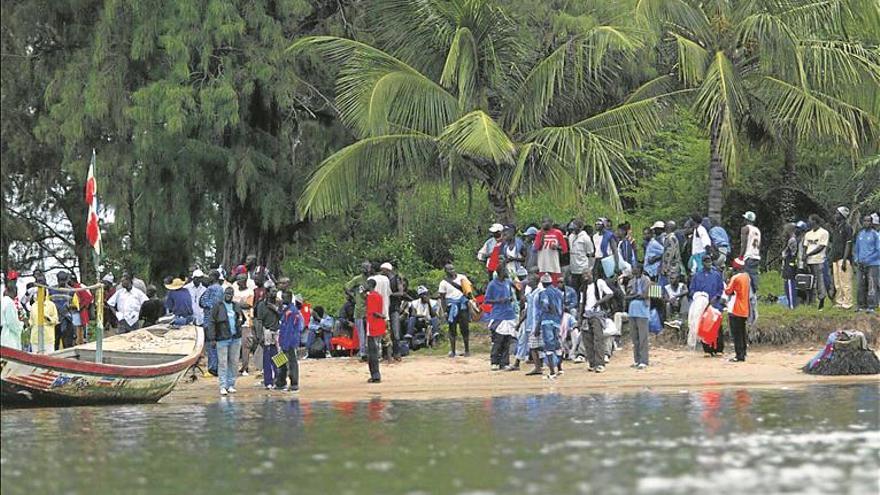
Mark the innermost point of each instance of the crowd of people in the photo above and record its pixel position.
(552, 293)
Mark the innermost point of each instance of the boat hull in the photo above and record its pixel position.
(31, 380)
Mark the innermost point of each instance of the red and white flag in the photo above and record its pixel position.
(93, 231)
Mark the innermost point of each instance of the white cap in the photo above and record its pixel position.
(546, 278)
(198, 273)
(108, 278)
(750, 216)
(386, 266)
(658, 225)
(843, 210)
(496, 227)
(422, 290)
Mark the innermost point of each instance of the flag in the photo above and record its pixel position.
(93, 232)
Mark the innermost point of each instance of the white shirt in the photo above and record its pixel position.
(242, 296)
(383, 287)
(128, 304)
(700, 240)
(753, 244)
(449, 291)
(582, 251)
(418, 308)
(195, 293)
(591, 300)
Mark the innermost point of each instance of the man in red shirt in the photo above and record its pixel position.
(375, 329)
(549, 242)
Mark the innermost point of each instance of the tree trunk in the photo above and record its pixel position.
(502, 206)
(787, 200)
(716, 175)
(243, 236)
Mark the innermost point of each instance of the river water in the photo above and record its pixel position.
(820, 439)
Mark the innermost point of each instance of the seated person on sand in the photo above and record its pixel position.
(675, 296)
(321, 325)
(423, 312)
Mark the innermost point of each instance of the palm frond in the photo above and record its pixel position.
(376, 91)
(692, 59)
(833, 63)
(813, 115)
(674, 15)
(359, 168)
(477, 134)
(567, 68)
(816, 16)
(778, 43)
(719, 103)
(462, 64)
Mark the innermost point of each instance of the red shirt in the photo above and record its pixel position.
(375, 326)
(552, 237)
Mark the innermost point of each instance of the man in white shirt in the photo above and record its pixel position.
(196, 287)
(582, 253)
(422, 312)
(751, 247)
(454, 291)
(700, 242)
(593, 298)
(127, 301)
(816, 244)
(383, 287)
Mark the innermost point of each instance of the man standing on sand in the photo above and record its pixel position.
(356, 289)
(550, 307)
(395, 298)
(455, 291)
(816, 245)
(213, 296)
(243, 289)
(867, 262)
(376, 325)
(840, 255)
(639, 312)
(196, 287)
(289, 336)
(502, 320)
(595, 296)
(227, 319)
(750, 247)
(739, 286)
(549, 243)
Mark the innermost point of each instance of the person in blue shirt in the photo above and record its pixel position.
(502, 319)
(178, 303)
(708, 280)
(626, 247)
(212, 296)
(866, 258)
(320, 323)
(550, 306)
(653, 254)
(639, 312)
(289, 335)
(720, 243)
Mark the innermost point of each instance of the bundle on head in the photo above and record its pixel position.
(846, 353)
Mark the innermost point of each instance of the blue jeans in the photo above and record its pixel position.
(362, 336)
(227, 356)
(326, 335)
(752, 270)
(180, 321)
(211, 352)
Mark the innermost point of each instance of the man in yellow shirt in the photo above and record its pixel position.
(50, 319)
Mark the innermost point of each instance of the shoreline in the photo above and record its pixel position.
(423, 377)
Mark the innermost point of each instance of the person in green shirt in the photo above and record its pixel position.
(356, 290)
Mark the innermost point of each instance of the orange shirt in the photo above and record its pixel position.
(740, 284)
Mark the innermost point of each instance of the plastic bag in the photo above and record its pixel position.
(655, 326)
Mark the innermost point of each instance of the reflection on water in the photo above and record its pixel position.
(823, 439)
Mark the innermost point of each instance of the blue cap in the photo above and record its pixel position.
(531, 231)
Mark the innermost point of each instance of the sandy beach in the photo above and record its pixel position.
(421, 377)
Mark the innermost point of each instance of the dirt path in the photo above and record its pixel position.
(435, 377)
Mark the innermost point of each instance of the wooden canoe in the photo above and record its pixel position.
(71, 376)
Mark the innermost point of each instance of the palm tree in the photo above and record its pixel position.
(454, 94)
(782, 66)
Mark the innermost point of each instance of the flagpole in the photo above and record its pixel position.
(99, 300)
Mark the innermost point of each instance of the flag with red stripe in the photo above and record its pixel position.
(93, 231)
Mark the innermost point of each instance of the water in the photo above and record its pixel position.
(822, 439)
